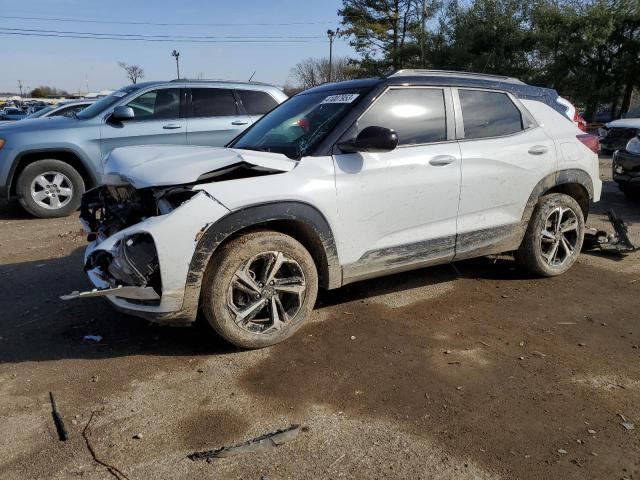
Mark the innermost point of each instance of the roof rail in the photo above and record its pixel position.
(220, 80)
(450, 73)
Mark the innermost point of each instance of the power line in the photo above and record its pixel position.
(188, 37)
(122, 22)
(138, 39)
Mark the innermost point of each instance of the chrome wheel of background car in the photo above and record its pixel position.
(266, 292)
(559, 237)
(51, 190)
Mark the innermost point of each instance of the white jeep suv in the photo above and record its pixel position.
(341, 183)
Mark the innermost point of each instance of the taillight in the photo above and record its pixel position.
(590, 141)
(581, 122)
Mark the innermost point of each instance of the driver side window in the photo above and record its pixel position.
(416, 114)
(162, 104)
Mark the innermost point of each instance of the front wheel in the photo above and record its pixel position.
(554, 236)
(259, 289)
(50, 188)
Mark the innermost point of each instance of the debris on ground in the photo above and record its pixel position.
(138, 436)
(561, 451)
(92, 338)
(57, 419)
(112, 469)
(625, 423)
(259, 444)
(617, 243)
(538, 354)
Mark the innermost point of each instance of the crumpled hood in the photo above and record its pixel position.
(625, 123)
(165, 165)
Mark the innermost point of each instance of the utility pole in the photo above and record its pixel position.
(423, 34)
(20, 87)
(331, 34)
(176, 54)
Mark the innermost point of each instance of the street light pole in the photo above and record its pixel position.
(176, 54)
(331, 34)
(20, 87)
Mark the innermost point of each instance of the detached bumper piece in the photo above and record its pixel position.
(617, 243)
(129, 271)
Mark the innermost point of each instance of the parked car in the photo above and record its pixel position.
(343, 182)
(626, 168)
(48, 162)
(615, 135)
(12, 114)
(572, 113)
(67, 109)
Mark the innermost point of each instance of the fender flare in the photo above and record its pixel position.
(86, 163)
(560, 177)
(216, 233)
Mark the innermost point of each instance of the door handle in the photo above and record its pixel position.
(442, 160)
(538, 150)
(239, 122)
(172, 126)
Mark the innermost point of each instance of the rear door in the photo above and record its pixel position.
(214, 117)
(504, 155)
(157, 121)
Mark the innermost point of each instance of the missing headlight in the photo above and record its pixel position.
(135, 262)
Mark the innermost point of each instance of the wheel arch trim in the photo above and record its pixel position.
(553, 180)
(304, 214)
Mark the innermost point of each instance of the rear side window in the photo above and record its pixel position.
(213, 102)
(256, 102)
(416, 114)
(488, 114)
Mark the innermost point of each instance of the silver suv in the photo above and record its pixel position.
(48, 163)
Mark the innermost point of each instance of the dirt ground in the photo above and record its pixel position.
(474, 372)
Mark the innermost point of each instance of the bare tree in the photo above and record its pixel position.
(315, 71)
(134, 72)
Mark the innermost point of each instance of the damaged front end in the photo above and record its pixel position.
(129, 269)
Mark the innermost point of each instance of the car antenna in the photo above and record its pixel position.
(251, 77)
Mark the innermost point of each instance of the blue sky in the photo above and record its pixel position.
(71, 63)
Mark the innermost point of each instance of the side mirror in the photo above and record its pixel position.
(123, 113)
(373, 140)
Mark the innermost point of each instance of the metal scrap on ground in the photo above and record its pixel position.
(618, 242)
(258, 444)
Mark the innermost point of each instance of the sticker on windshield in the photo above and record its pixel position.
(344, 98)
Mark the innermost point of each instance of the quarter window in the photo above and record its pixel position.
(160, 104)
(416, 114)
(213, 102)
(488, 114)
(256, 102)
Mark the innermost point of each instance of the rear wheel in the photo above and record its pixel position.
(259, 289)
(50, 188)
(554, 236)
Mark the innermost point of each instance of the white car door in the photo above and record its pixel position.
(504, 155)
(398, 209)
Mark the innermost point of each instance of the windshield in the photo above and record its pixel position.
(40, 112)
(297, 126)
(104, 103)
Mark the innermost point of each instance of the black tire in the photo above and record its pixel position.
(232, 257)
(531, 254)
(72, 182)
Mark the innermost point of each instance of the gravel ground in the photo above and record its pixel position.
(477, 372)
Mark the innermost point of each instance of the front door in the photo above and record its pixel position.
(156, 121)
(398, 210)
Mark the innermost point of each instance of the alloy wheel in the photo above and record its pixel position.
(559, 237)
(266, 292)
(52, 190)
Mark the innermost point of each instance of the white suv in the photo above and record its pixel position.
(343, 182)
